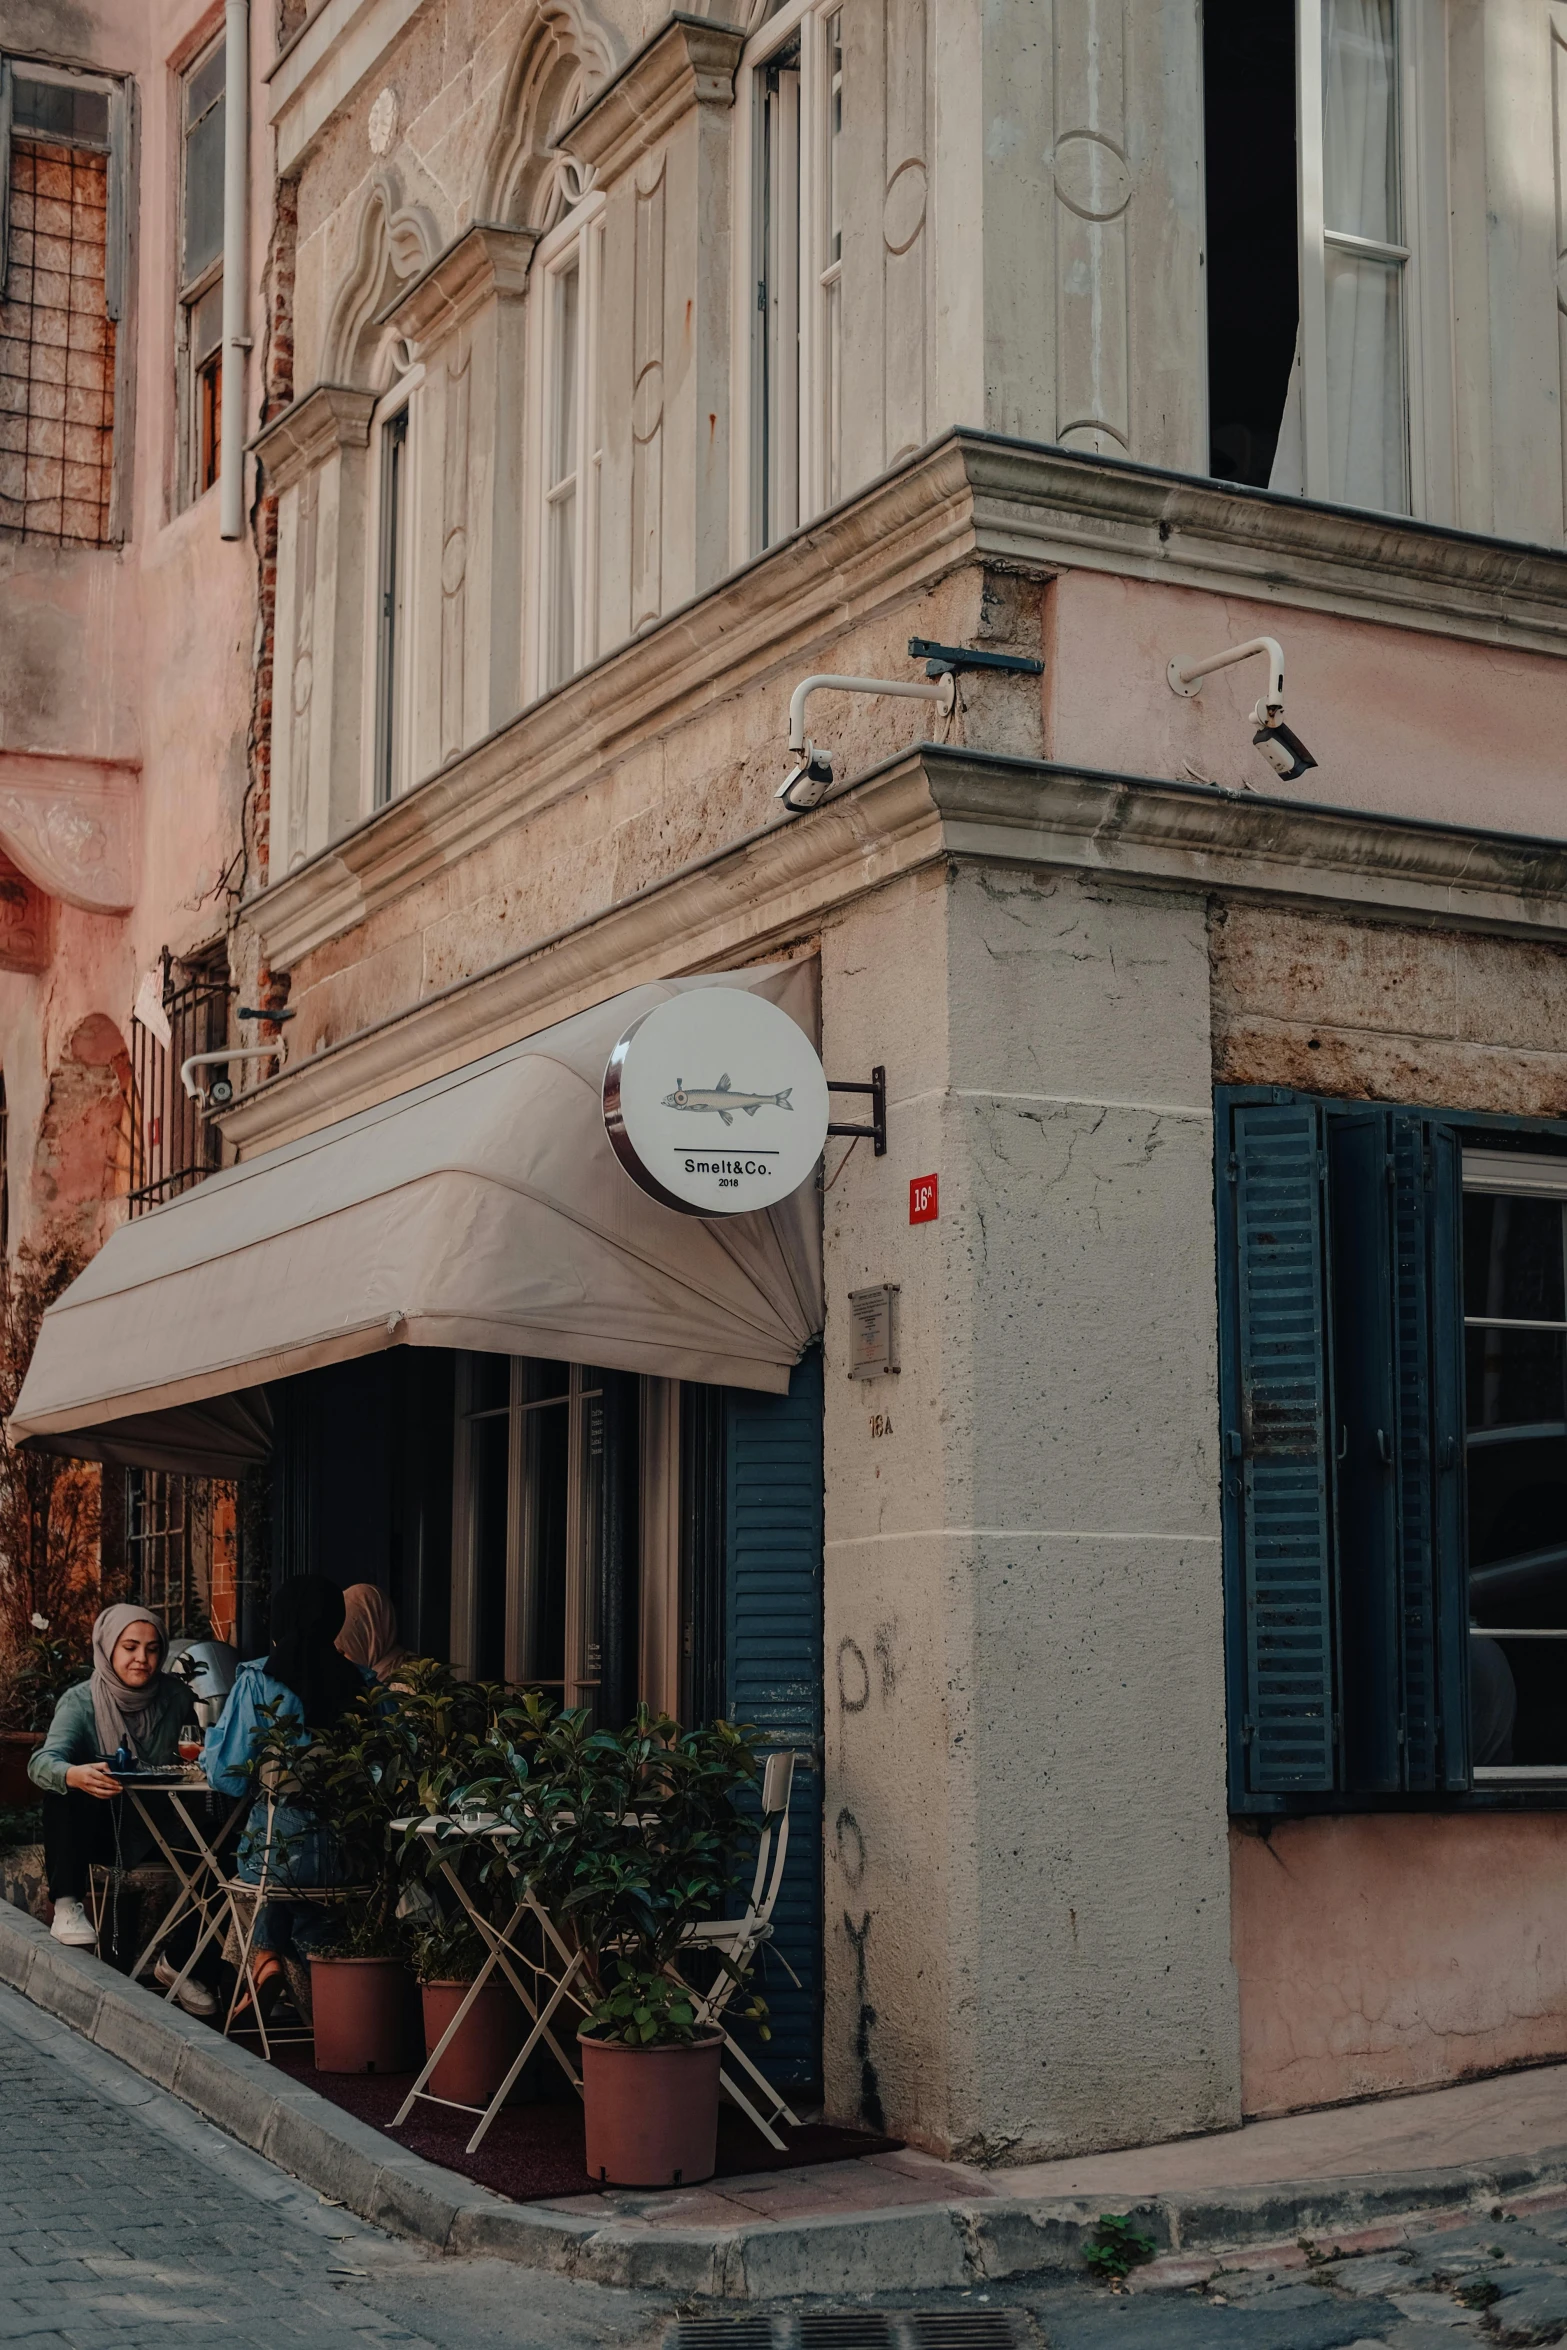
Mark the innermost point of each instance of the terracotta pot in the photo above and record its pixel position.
(652, 2113)
(484, 2050)
(364, 2015)
(15, 1748)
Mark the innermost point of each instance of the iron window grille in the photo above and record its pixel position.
(173, 1143)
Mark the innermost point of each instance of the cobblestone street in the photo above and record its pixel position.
(127, 2222)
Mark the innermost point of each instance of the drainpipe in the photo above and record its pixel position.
(236, 188)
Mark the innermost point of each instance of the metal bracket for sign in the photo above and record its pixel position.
(952, 660)
(877, 1129)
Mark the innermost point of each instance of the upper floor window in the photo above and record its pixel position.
(1321, 382)
(62, 209)
(567, 457)
(390, 574)
(793, 131)
(200, 325)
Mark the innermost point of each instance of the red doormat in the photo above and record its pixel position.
(534, 2152)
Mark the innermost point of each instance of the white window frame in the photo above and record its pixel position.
(396, 402)
(577, 241)
(1522, 1175)
(1425, 275)
(763, 512)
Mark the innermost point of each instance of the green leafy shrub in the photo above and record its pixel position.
(628, 1837)
(1116, 2247)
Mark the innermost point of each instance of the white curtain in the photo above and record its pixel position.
(1367, 410)
(1367, 460)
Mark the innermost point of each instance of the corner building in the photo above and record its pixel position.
(1172, 1637)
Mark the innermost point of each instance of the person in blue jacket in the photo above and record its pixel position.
(303, 1679)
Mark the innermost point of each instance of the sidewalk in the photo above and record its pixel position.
(1350, 2178)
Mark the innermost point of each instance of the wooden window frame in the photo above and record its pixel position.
(1421, 254)
(198, 375)
(118, 284)
(785, 439)
(575, 243)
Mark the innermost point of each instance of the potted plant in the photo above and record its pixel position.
(47, 1667)
(390, 1754)
(448, 1956)
(349, 1777)
(628, 1837)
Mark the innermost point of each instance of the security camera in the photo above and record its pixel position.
(1283, 749)
(221, 1092)
(807, 782)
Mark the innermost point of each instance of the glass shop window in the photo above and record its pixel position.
(1515, 1383)
(566, 1537)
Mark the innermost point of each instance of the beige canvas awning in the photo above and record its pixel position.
(484, 1210)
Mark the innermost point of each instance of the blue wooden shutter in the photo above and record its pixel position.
(1284, 1523)
(1364, 1421)
(773, 1655)
(1450, 1570)
(1415, 1448)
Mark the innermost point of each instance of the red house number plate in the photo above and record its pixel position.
(923, 1207)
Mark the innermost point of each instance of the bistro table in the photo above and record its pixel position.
(452, 1827)
(196, 1858)
(500, 1950)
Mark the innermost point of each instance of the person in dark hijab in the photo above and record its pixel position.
(303, 1679)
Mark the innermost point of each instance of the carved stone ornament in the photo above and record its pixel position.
(303, 436)
(70, 824)
(683, 64)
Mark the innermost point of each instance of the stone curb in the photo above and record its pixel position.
(909, 2247)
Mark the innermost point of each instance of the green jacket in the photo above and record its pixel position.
(73, 1734)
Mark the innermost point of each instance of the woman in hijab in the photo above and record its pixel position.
(303, 1679)
(129, 1703)
(369, 1634)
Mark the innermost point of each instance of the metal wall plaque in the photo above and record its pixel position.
(873, 1344)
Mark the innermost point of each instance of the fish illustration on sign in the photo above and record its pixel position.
(723, 1098)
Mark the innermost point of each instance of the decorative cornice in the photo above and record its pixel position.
(970, 497)
(487, 262)
(1037, 504)
(71, 825)
(933, 802)
(687, 62)
(330, 416)
(910, 530)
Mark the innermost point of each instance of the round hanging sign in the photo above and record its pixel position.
(716, 1103)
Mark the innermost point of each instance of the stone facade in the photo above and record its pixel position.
(520, 718)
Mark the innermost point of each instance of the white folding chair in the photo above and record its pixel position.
(737, 1941)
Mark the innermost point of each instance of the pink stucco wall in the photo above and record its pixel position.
(1399, 721)
(1391, 1953)
(139, 653)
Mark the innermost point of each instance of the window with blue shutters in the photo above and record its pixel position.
(1346, 1516)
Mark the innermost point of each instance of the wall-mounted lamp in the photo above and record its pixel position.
(220, 1092)
(1284, 751)
(810, 778)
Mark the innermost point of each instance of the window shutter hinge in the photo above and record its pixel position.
(1248, 1730)
(761, 293)
(1233, 1169)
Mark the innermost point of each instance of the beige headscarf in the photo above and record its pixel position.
(118, 1709)
(369, 1634)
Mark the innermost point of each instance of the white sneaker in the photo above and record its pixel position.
(194, 1997)
(73, 1925)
